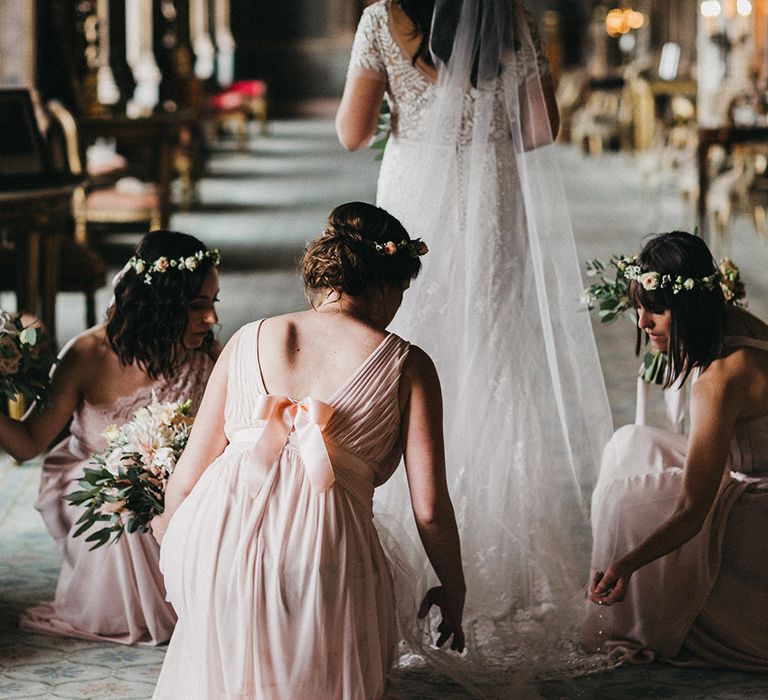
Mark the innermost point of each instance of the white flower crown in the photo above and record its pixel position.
(163, 264)
(651, 281)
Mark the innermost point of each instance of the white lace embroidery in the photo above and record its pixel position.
(376, 54)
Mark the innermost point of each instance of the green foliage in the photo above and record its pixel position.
(609, 295)
(383, 130)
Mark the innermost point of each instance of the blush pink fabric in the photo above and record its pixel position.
(273, 565)
(705, 604)
(114, 593)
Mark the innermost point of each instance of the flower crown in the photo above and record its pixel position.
(415, 247)
(610, 296)
(651, 281)
(163, 264)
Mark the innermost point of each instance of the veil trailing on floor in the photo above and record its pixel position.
(498, 308)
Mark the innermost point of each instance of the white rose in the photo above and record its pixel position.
(688, 284)
(164, 459)
(191, 263)
(649, 280)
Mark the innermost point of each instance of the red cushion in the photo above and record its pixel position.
(250, 88)
(227, 101)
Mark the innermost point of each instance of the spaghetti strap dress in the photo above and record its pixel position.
(706, 603)
(114, 593)
(273, 562)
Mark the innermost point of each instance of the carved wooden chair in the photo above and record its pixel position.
(116, 205)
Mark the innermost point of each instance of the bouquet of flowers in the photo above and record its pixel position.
(609, 296)
(127, 487)
(26, 357)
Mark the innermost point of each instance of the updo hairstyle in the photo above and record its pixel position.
(697, 315)
(344, 258)
(147, 321)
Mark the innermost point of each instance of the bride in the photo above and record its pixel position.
(470, 167)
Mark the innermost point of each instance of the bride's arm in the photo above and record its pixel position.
(358, 113)
(424, 456)
(206, 442)
(716, 403)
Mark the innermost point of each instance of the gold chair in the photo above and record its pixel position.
(114, 205)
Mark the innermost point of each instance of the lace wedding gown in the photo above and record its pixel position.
(706, 603)
(114, 593)
(282, 588)
(498, 308)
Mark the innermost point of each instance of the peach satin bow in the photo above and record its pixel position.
(308, 419)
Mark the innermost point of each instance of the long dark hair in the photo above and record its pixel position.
(436, 22)
(420, 13)
(697, 315)
(147, 321)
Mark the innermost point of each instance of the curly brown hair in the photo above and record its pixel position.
(146, 322)
(344, 258)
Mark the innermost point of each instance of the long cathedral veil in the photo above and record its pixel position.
(498, 308)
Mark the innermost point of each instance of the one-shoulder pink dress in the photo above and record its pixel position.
(706, 603)
(273, 562)
(114, 593)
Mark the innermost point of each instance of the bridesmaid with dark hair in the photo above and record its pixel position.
(157, 337)
(679, 522)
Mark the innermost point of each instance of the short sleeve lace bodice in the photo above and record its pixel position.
(377, 55)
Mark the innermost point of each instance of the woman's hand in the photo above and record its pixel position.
(451, 608)
(159, 525)
(609, 587)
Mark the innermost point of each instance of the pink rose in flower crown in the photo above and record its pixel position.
(10, 355)
(390, 248)
(161, 264)
(650, 281)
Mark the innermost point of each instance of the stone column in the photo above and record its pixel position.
(141, 57)
(225, 44)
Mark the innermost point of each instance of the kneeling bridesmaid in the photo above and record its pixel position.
(157, 339)
(680, 523)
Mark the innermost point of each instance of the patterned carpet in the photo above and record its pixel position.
(36, 666)
(259, 208)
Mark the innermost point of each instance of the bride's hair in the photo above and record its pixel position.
(147, 320)
(697, 315)
(349, 256)
(420, 13)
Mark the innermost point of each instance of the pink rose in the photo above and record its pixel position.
(161, 264)
(390, 248)
(649, 280)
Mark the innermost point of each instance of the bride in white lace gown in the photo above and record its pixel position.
(470, 167)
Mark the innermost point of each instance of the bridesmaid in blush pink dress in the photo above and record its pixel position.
(271, 556)
(157, 337)
(678, 521)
